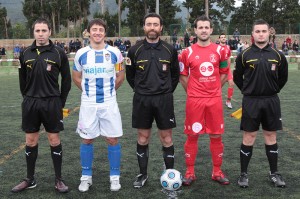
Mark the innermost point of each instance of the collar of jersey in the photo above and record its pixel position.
(266, 48)
(48, 47)
(148, 45)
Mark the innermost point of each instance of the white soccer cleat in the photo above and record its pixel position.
(115, 183)
(228, 104)
(86, 182)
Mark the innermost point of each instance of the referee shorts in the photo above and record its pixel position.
(146, 108)
(46, 111)
(261, 110)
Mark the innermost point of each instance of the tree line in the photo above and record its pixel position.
(70, 17)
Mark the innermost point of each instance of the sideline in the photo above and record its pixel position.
(23, 145)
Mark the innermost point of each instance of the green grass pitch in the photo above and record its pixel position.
(13, 166)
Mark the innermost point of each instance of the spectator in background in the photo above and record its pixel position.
(22, 47)
(232, 43)
(85, 37)
(246, 45)
(272, 37)
(110, 42)
(285, 48)
(174, 37)
(295, 47)
(239, 47)
(3, 51)
(178, 46)
(56, 43)
(236, 34)
(122, 48)
(62, 44)
(77, 45)
(127, 43)
(71, 46)
(186, 38)
(117, 42)
(16, 51)
(289, 42)
(66, 49)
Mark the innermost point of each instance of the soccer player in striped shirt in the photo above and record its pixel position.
(98, 73)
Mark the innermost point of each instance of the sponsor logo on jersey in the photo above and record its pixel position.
(206, 69)
(142, 67)
(97, 70)
(164, 67)
(181, 66)
(197, 127)
(107, 56)
(273, 67)
(48, 67)
(212, 58)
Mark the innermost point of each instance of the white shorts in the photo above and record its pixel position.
(95, 121)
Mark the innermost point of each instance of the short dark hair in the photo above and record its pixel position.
(202, 18)
(260, 22)
(96, 21)
(41, 20)
(222, 34)
(152, 14)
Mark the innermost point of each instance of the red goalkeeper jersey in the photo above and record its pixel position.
(204, 65)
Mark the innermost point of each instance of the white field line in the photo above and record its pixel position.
(22, 146)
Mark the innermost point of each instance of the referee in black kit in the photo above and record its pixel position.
(152, 70)
(41, 64)
(260, 73)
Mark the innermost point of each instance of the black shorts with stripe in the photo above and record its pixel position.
(147, 108)
(261, 110)
(46, 111)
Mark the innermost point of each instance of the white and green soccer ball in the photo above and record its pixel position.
(171, 179)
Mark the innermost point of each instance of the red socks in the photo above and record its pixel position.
(191, 150)
(216, 149)
(229, 93)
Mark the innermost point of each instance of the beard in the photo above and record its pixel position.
(261, 42)
(152, 34)
(203, 40)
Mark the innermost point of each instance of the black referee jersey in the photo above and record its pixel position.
(152, 69)
(40, 69)
(260, 72)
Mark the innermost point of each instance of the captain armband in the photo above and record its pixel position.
(119, 67)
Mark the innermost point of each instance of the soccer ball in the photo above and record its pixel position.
(171, 179)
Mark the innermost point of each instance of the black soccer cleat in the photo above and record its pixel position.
(140, 180)
(243, 180)
(277, 179)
